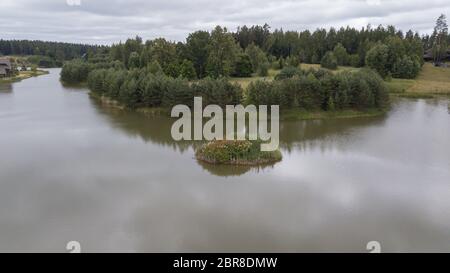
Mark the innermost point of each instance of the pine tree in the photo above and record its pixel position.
(440, 36)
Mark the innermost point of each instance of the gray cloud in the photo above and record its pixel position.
(107, 21)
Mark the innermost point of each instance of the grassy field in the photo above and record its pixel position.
(317, 66)
(430, 82)
(244, 82)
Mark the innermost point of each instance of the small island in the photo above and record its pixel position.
(236, 152)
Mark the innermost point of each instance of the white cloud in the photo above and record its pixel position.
(107, 21)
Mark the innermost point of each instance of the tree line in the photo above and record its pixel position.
(293, 89)
(47, 54)
(320, 90)
(162, 73)
(257, 49)
(145, 88)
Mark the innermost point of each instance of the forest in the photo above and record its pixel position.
(47, 54)
(164, 73)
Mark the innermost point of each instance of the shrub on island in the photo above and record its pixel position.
(236, 152)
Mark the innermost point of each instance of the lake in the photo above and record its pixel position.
(73, 169)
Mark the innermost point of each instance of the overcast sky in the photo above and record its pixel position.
(108, 21)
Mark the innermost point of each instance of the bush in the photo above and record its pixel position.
(129, 94)
(75, 71)
(243, 66)
(187, 70)
(329, 61)
(406, 68)
(262, 93)
(377, 59)
(354, 60)
(288, 72)
(263, 69)
(153, 89)
(218, 91)
(341, 54)
(134, 60)
(292, 61)
(236, 152)
(154, 67)
(318, 89)
(96, 80)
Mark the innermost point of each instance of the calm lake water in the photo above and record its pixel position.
(71, 169)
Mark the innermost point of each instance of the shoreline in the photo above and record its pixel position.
(285, 115)
(256, 163)
(237, 153)
(23, 75)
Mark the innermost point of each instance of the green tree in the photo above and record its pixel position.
(341, 54)
(258, 58)
(377, 59)
(243, 66)
(164, 52)
(130, 46)
(76, 71)
(397, 50)
(154, 67)
(197, 50)
(406, 68)
(440, 37)
(173, 70)
(354, 60)
(263, 69)
(129, 93)
(187, 70)
(223, 53)
(134, 60)
(155, 86)
(288, 72)
(145, 57)
(329, 61)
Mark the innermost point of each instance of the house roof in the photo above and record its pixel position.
(429, 54)
(5, 63)
(2, 70)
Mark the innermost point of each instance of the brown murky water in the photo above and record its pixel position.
(71, 169)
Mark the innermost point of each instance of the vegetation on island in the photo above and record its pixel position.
(236, 152)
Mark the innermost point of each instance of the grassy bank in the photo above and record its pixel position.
(431, 82)
(23, 75)
(294, 114)
(236, 152)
